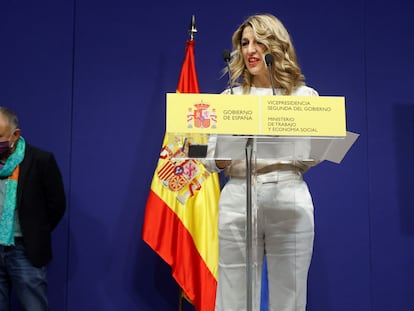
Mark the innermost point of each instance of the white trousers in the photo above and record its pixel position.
(285, 233)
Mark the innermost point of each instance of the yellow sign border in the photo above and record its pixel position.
(226, 114)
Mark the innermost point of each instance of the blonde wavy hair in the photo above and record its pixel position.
(273, 35)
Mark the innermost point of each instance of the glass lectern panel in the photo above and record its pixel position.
(265, 211)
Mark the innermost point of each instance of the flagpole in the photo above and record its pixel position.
(192, 30)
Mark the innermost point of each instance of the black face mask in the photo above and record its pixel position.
(5, 149)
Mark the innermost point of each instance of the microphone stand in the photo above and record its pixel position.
(249, 149)
(269, 63)
(227, 57)
(249, 224)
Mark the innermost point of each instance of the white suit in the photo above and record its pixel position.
(285, 229)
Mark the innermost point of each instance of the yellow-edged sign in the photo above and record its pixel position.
(256, 115)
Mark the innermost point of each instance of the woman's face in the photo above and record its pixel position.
(253, 55)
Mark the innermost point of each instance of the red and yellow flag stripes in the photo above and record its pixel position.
(180, 221)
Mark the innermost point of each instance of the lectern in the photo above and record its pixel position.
(255, 129)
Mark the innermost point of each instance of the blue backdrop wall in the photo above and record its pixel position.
(88, 79)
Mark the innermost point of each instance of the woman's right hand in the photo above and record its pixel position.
(222, 164)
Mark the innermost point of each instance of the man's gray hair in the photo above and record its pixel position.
(10, 116)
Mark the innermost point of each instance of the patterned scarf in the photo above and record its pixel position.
(11, 171)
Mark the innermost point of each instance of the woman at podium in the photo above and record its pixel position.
(285, 220)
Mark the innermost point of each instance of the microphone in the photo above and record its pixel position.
(269, 63)
(227, 57)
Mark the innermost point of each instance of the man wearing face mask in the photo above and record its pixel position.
(32, 202)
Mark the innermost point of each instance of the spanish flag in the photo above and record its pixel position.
(180, 222)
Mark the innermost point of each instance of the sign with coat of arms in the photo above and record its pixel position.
(226, 114)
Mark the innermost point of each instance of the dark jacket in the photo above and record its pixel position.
(40, 203)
